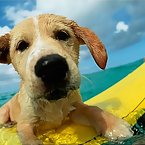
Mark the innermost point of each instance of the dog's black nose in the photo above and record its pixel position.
(51, 69)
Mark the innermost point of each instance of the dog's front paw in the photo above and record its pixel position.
(120, 130)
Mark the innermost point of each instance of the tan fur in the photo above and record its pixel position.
(28, 107)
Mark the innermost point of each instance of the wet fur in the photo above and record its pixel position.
(29, 108)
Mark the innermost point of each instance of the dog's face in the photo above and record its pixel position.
(45, 53)
(45, 50)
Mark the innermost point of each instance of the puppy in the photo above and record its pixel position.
(44, 50)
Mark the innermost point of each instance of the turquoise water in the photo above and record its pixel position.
(5, 97)
(95, 83)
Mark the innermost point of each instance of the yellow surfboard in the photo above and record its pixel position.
(126, 99)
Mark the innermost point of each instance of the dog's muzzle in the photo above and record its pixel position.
(53, 71)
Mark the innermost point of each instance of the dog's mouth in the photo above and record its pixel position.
(56, 94)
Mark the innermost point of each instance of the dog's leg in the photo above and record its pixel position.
(26, 134)
(103, 122)
(4, 113)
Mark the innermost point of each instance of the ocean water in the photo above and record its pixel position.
(95, 83)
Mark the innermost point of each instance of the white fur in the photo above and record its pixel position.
(37, 48)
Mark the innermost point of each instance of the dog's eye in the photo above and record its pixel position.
(22, 45)
(62, 35)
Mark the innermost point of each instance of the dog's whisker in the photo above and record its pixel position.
(87, 79)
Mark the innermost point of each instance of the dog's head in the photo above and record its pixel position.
(45, 50)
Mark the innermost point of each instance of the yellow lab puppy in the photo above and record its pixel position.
(44, 50)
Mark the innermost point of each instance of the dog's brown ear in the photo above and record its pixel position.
(4, 48)
(94, 44)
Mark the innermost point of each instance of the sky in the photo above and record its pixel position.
(120, 24)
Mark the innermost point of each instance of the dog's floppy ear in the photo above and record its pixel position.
(94, 44)
(4, 48)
